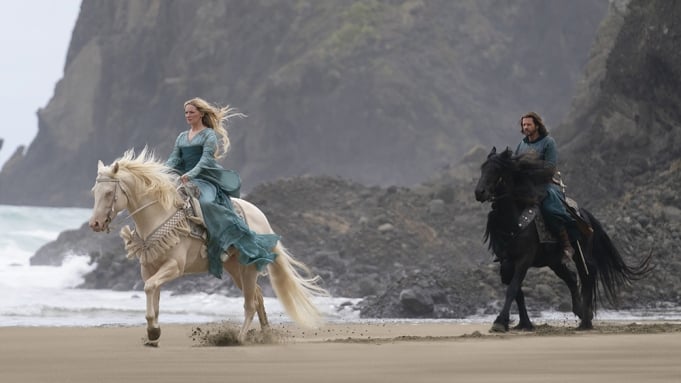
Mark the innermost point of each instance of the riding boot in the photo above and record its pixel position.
(567, 250)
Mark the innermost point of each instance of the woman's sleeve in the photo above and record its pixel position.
(207, 157)
(174, 159)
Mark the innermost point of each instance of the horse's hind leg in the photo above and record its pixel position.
(249, 277)
(587, 304)
(588, 285)
(234, 269)
(570, 280)
(260, 308)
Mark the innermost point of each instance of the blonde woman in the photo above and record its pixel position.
(194, 158)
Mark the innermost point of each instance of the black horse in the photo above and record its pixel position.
(516, 185)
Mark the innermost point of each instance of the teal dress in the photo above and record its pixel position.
(195, 158)
(553, 209)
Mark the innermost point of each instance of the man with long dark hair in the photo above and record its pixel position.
(537, 140)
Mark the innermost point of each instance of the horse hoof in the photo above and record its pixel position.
(498, 327)
(154, 333)
(524, 327)
(585, 326)
(151, 343)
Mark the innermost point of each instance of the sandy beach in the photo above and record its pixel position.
(359, 352)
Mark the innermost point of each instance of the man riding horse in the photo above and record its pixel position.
(516, 183)
(557, 218)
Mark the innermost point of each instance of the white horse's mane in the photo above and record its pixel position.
(147, 176)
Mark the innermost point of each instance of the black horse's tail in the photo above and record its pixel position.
(613, 272)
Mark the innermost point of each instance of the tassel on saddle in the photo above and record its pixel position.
(192, 208)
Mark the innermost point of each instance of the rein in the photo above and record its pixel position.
(146, 205)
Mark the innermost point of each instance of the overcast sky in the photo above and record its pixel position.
(35, 36)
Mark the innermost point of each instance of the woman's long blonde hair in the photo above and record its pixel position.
(216, 118)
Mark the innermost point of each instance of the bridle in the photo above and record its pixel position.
(496, 197)
(493, 195)
(111, 212)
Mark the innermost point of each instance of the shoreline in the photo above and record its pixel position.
(365, 352)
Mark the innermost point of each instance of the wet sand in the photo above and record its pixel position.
(359, 352)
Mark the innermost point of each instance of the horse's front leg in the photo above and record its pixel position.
(152, 288)
(155, 304)
(503, 319)
(525, 323)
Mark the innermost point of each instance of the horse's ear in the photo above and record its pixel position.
(100, 165)
(115, 168)
(493, 152)
(506, 153)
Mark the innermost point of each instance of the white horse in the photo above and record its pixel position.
(166, 249)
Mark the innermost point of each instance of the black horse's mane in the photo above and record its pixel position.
(526, 177)
(529, 173)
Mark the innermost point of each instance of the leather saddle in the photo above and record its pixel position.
(190, 195)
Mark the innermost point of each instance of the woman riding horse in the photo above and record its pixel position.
(194, 157)
(166, 247)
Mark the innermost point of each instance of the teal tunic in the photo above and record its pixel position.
(195, 158)
(552, 206)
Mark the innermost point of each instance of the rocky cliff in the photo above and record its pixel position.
(624, 129)
(379, 92)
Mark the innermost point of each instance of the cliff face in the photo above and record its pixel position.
(381, 92)
(624, 131)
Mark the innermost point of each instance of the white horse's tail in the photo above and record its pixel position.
(293, 290)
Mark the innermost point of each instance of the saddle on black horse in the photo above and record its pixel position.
(533, 214)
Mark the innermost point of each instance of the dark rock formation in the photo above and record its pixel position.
(624, 129)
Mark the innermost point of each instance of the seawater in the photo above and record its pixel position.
(48, 295)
